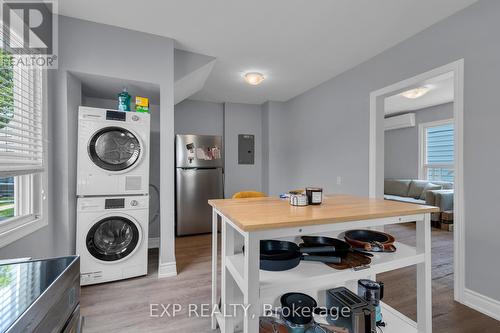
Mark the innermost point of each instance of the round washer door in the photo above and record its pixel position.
(112, 238)
(114, 149)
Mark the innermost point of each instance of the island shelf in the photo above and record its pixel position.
(245, 222)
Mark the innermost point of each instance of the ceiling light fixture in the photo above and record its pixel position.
(253, 78)
(416, 93)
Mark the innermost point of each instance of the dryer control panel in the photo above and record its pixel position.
(116, 115)
(113, 116)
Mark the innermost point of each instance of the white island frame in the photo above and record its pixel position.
(240, 271)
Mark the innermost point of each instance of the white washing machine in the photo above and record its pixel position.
(113, 152)
(112, 237)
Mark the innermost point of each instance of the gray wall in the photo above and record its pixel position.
(401, 145)
(228, 120)
(329, 125)
(276, 176)
(196, 117)
(103, 50)
(97, 49)
(187, 62)
(242, 119)
(326, 135)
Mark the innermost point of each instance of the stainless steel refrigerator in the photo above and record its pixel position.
(199, 178)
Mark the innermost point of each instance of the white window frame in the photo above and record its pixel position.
(422, 148)
(34, 192)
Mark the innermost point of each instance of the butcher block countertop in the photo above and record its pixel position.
(256, 214)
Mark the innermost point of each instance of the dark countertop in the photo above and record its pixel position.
(21, 283)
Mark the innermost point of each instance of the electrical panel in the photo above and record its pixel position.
(246, 149)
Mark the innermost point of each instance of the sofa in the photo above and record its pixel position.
(434, 193)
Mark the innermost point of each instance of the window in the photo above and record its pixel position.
(22, 150)
(7, 198)
(437, 151)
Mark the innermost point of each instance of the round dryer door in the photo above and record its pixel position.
(114, 149)
(112, 238)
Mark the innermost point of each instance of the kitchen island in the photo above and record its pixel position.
(245, 222)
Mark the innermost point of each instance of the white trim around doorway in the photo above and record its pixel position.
(457, 68)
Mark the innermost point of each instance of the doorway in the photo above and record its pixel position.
(377, 152)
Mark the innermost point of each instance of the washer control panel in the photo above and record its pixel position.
(94, 204)
(114, 203)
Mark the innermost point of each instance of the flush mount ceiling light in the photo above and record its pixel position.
(416, 93)
(253, 78)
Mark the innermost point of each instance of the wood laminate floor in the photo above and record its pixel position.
(124, 306)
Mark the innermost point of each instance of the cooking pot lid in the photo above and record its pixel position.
(298, 300)
(298, 308)
(369, 284)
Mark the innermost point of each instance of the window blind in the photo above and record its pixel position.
(440, 145)
(21, 121)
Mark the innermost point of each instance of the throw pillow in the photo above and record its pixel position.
(417, 188)
(430, 187)
(397, 187)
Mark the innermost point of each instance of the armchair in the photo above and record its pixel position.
(440, 198)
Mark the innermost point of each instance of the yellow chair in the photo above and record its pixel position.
(248, 194)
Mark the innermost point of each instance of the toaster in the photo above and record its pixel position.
(350, 311)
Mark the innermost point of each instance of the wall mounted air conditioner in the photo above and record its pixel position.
(402, 121)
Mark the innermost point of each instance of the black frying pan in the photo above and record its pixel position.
(341, 248)
(281, 256)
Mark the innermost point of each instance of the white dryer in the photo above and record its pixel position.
(113, 152)
(112, 237)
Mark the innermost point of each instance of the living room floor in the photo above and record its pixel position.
(124, 306)
(448, 315)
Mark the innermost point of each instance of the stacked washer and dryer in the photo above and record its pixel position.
(112, 194)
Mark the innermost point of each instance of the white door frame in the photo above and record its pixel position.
(376, 97)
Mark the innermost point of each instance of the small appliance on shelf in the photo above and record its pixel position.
(372, 292)
(356, 314)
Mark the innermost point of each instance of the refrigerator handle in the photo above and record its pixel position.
(223, 183)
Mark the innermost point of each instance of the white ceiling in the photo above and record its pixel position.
(442, 91)
(297, 44)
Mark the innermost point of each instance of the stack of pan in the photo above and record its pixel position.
(342, 249)
(281, 255)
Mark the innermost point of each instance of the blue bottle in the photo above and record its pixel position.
(124, 100)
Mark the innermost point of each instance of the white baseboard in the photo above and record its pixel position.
(168, 269)
(154, 243)
(481, 303)
(165, 270)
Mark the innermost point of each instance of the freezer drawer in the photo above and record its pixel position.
(194, 188)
